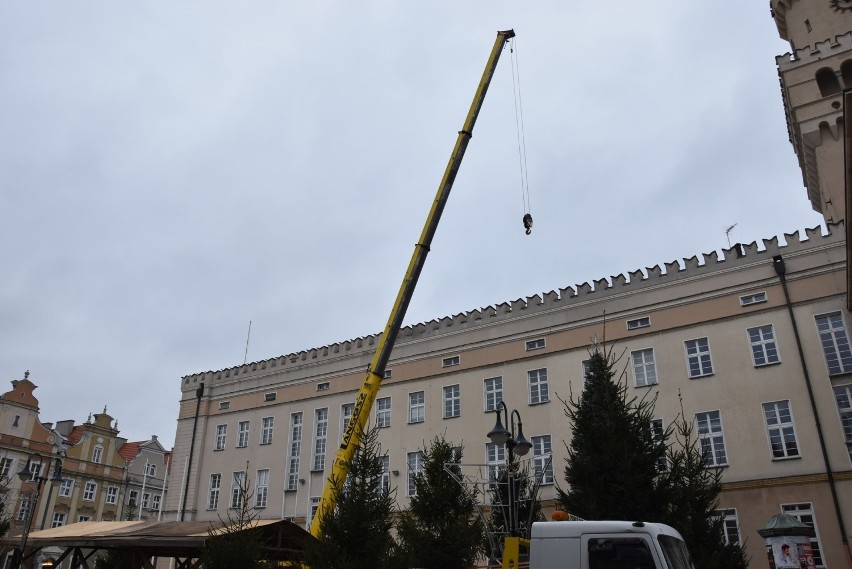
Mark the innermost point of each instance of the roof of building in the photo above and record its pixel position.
(128, 451)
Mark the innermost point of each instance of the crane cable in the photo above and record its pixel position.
(519, 127)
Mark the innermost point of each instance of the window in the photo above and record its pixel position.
(779, 427)
(763, 348)
(6, 467)
(415, 466)
(213, 493)
(243, 434)
(698, 357)
(537, 379)
(542, 465)
(146, 498)
(112, 495)
(237, 494)
(493, 393)
(383, 412)
(805, 514)
(89, 491)
(644, 369)
(835, 343)
(295, 450)
(97, 454)
(66, 487)
(843, 396)
(267, 424)
(416, 407)
(155, 503)
(224, 405)
(730, 525)
(261, 488)
(346, 411)
(133, 497)
(535, 344)
(387, 374)
(452, 401)
(150, 469)
(315, 502)
(711, 437)
(384, 484)
(221, 433)
(643, 322)
(320, 438)
(323, 386)
(756, 298)
(495, 458)
(24, 510)
(658, 432)
(586, 369)
(451, 361)
(84, 518)
(59, 519)
(270, 396)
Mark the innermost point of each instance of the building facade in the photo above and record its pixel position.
(750, 343)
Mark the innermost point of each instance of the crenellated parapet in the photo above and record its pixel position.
(599, 290)
(816, 52)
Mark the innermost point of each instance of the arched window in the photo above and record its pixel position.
(846, 73)
(827, 82)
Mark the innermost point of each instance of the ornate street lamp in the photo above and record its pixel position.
(515, 444)
(28, 476)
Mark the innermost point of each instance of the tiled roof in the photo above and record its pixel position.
(76, 434)
(128, 451)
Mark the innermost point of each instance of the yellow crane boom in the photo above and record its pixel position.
(375, 373)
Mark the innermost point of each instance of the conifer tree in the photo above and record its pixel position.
(612, 462)
(357, 533)
(442, 528)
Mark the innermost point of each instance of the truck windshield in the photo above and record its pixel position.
(675, 552)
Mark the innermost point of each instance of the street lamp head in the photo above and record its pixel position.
(57, 471)
(499, 435)
(522, 445)
(26, 474)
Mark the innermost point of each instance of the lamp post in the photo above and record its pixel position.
(28, 476)
(515, 444)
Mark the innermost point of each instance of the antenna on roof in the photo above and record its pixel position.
(245, 356)
(728, 234)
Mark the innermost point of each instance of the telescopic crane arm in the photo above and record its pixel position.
(375, 373)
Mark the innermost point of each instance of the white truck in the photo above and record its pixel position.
(604, 545)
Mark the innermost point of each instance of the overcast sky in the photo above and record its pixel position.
(170, 171)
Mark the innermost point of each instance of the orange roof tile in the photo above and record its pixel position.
(128, 451)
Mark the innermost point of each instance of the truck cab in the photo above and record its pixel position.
(607, 545)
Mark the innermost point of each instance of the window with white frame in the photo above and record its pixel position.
(452, 401)
(835, 343)
(221, 433)
(493, 392)
(417, 407)
(730, 525)
(644, 368)
(698, 357)
(755, 298)
(384, 483)
(383, 412)
(24, 509)
(97, 454)
(150, 469)
(89, 491)
(237, 494)
(843, 397)
(537, 380)
(84, 518)
(133, 497)
(59, 519)
(587, 369)
(6, 467)
(387, 374)
(764, 350)
(261, 488)
(643, 322)
(451, 361)
(495, 458)
(224, 405)
(270, 396)
(243, 434)
(658, 432)
(780, 428)
(415, 467)
(35, 470)
(66, 487)
(323, 386)
(155, 502)
(112, 495)
(267, 424)
(146, 498)
(804, 512)
(213, 492)
(712, 438)
(542, 463)
(536, 344)
(346, 411)
(295, 451)
(320, 438)
(315, 502)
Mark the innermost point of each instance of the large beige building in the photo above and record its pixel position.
(752, 343)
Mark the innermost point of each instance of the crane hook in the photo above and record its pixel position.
(528, 222)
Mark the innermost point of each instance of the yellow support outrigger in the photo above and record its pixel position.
(375, 373)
